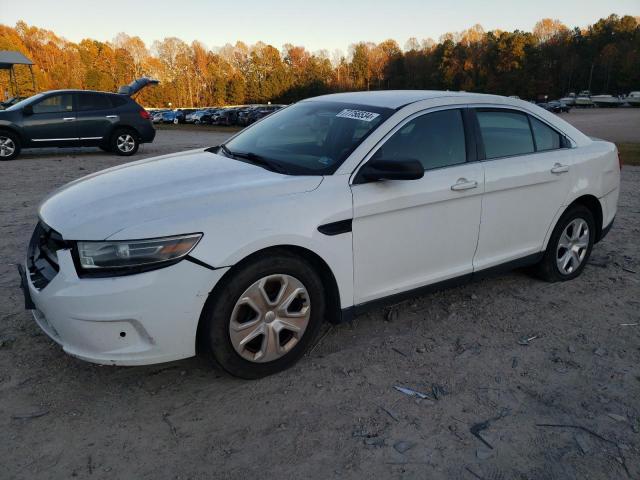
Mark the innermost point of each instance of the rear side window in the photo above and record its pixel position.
(546, 137)
(54, 104)
(118, 100)
(435, 139)
(505, 133)
(93, 101)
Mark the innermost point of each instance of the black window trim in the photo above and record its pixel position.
(469, 123)
(564, 139)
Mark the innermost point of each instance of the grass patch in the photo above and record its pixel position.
(200, 128)
(629, 153)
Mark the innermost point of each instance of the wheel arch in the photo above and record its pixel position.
(593, 204)
(119, 126)
(332, 293)
(15, 131)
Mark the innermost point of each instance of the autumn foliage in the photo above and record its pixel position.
(551, 60)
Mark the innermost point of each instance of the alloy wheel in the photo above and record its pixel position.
(269, 318)
(7, 146)
(572, 246)
(125, 143)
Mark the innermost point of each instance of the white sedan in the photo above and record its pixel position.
(315, 213)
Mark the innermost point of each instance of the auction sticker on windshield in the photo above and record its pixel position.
(357, 115)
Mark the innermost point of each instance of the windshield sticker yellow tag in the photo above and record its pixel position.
(357, 115)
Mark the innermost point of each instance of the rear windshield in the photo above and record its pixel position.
(310, 138)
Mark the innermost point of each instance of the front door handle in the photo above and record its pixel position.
(463, 184)
(559, 168)
(68, 119)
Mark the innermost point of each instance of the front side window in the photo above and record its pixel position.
(435, 139)
(546, 137)
(93, 101)
(505, 133)
(54, 104)
(312, 137)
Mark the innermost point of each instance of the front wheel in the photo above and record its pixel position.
(569, 247)
(9, 146)
(124, 142)
(266, 316)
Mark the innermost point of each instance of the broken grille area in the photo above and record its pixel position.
(42, 255)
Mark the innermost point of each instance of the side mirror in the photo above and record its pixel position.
(28, 110)
(375, 170)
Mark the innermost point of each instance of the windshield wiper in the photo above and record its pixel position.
(254, 159)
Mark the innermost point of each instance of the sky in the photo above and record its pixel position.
(323, 24)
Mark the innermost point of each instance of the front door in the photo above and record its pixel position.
(52, 122)
(411, 233)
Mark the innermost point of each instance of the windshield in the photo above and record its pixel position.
(26, 101)
(309, 138)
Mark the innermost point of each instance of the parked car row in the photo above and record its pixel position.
(241, 116)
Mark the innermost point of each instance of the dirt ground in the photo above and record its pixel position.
(523, 379)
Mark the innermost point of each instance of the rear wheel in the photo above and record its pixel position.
(124, 142)
(570, 245)
(267, 316)
(9, 145)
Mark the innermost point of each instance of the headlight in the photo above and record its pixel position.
(132, 256)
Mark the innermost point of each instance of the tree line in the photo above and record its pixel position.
(549, 61)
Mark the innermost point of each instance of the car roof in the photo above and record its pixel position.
(396, 98)
(81, 91)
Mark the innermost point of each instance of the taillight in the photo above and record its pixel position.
(144, 114)
(619, 159)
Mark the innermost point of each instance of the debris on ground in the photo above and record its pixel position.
(526, 340)
(601, 352)
(7, 341)
(27, 416)
(402, 446)
(389, 412)
(581, 440)
(374, 441)
(411, 392)
(479, 427)
(483, 452)
(617, 418)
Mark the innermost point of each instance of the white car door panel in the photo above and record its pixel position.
(407, 234)
(522, 196)
(411, 233)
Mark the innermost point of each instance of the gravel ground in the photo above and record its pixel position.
(337, 413)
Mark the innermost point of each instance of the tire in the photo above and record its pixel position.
(252, 358)
(574, 220)
(9, 145)
(176, 121)
(124, 142)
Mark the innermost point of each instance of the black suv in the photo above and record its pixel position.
(68, 118)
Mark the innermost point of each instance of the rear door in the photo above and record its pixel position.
(527, 180)
(53, 121)
(96, 116)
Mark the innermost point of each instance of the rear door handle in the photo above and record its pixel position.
(559, 168)
(68, 119)
(463, 184)
(111, 116)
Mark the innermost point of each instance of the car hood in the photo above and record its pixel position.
(191, 183)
